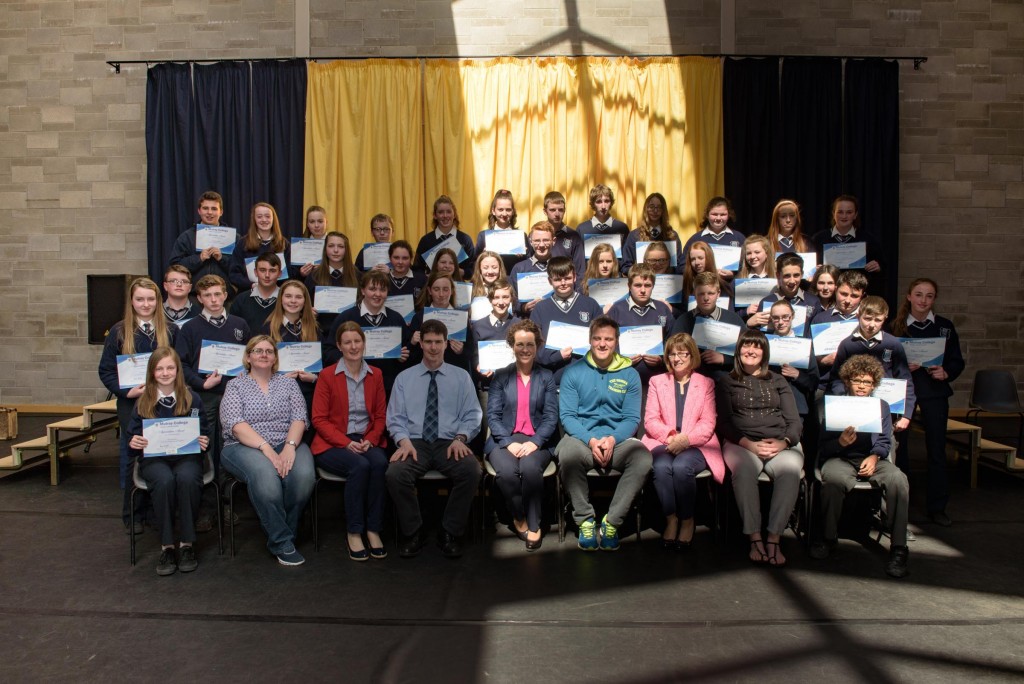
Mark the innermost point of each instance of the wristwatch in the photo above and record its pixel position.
(293, 442)
(461, 438)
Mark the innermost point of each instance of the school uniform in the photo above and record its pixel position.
(829, 315)
(253, 307)
(529, 265)
(810, 302)
(387, 318)
(884, 347)
(686, 322)
(239, 276)
(509, 260)
(184, 254)
(326, 320)
(577, 310)
(412, 283)
(436, 237)
(612, 226)
(486, 329)
(179, 317)
(627, 313)
(804, 386)
(569, 243)
(359, 263)
(629, 256)
(831, 236)
(727, 238)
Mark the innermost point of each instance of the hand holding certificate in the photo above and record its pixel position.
(715, 335)
(505, 241)
(606, 291)
(894, 393)
(307, 251)
(562, 335)
(747, 291)
(530, 286)
(641, 339)
(845, 255)
(221, 357)
(131, 370)
(327, 299)
(221, 237)
(494, 355)
(863, 414)
(383, 343)
(924, 351)
(794, 351)
(455, 320)
(171, 436)
(826, 337)
(299, 356)
(375, 254)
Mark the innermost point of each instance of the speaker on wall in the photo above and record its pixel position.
(106, 296)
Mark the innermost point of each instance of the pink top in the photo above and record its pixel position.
(699, 417)
(523, 423)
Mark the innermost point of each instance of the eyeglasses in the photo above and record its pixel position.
(262, 352)
(679, 355)
(381, 229)
(862, 382)
(657, 262)
(782, 319)
(178, 282)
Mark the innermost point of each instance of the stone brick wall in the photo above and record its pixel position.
(72, 147)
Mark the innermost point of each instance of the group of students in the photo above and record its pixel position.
(694, 407)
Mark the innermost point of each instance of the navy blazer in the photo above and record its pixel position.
(502, 404)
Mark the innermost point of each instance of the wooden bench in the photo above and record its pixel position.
(84, 429)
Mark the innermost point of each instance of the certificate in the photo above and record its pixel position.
(479, 308)
(221, 357)
(402, 304)
(299, 356)
(810, 262)
(592, 240)
(171, 436)
(530, 286)
(606, 291)
(668, 288)
(691, 303)
(383, 343)
(827, 336)
(641, 249)
(799, 321)
(924, 351)
(463, 295)
(250, 268)
(375, 253)
(562, 335)
(845, 255)
(333, 300)
(747, 291)
(449, 242)
(894, 393)
(641, 339)
(307, 251)
(508, 241)
(715, 335)
(727, 257)
(795, 351)
(455, 320)
(493, 355)
(131, 369)
(863, 413)
(221, 237)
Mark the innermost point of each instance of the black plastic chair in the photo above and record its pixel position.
(995, 391)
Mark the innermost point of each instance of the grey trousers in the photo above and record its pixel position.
(839, 475)
(631, 458)
(783, 469)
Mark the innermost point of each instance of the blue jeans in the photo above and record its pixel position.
(364, 484)
(675, 479)
(278, 501)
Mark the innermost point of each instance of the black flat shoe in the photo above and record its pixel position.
(534, 545)
(450, 545)
(684, 545)
(410, 546)
(378, 552)
(669, 544)
(359, 556)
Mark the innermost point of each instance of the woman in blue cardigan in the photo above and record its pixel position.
(522, 411)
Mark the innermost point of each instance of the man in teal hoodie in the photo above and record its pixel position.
(599, 402)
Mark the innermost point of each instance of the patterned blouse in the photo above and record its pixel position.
(270, 414)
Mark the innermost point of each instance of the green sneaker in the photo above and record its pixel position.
(587, 539)
(609, 536)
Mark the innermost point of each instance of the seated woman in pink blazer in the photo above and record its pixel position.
(680, 432)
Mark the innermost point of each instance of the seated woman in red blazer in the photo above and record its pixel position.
(680, 432)
(349, 408)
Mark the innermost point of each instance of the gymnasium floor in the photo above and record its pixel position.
(72, 608)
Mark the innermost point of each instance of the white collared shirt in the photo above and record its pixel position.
(852, 234)
(930, 318)
(717, 236)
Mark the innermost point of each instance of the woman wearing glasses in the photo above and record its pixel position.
(679, 423)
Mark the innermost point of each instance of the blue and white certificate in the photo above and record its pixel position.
(795, 351)
(403, 305)
(668, 288)
(810, 262)
(863, 413)
(455, 320)
(223, 357)
(894, 393)
(828, 336)
(641, 339)
(715, 335)
(383, 343)
(450, 242)
(800, 312)
(505, 241)
(221, 237)
(463, 295)
(307, 251)
(845, 255)
(131, 369)
(299, 356)
(691, 303)
(375, 254)
(747, 291)
(562, 335)
(333, 300)
(641, 249)
(493, 355)
(727, 257)
(592, 240)
(171, 436)
(606, 291)
(532, 286)
(250, 268)
(924, 351)
(479, 308)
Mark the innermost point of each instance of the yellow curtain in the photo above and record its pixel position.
(364, 145)
(568, 123)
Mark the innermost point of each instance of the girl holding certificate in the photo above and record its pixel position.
(701, 258)
(932, 387)
(349, 416)
(264, 235)
(502, 217)
(263, 418)
(758, 262)
(175, 482)
(143, 329)
(489, 269)
(823, 284)
(653, 225)
(760, 427)
(785, 233)
(293, 320)
(716, 229)
(438, 294)
(446, 230)
(316, 228)
(602, 265)
(335, 268)
(382, 228)
(679, 429)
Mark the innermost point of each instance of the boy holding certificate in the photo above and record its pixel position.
(567, 242)
(256, 305)
(179, 307)
(706, 288)
(542, 237)
(789, 272)
(566, 306)
(639, 309)
(848, 456)
(382, 227)
(402, 279)
(850, 288)
(602, 199)
(209, 261)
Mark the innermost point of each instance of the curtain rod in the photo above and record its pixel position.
(116, 63)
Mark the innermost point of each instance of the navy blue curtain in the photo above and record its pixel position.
(170, 197)
(750, 114)
(872, 157)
